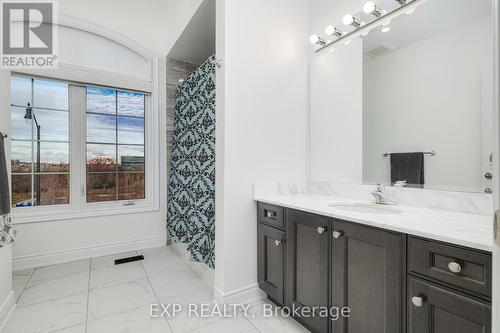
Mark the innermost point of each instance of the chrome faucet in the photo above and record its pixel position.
(381, 197)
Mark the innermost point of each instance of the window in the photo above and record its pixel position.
(115, 145)
(40, 142)
(81, 150)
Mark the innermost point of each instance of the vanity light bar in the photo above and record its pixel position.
(369, 8)
(333, 31)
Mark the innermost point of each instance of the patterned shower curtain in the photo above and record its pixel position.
(191, 190)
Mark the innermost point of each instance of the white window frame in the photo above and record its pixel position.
(78, 206)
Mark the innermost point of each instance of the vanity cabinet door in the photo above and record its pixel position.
(271, 261)
(368, 276)
(434, 309)
(307, 258)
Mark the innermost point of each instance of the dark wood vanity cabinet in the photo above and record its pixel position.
(307, 269)
(392, 282)
(449, 288)
(271, 261)
(437, 309)
(368, 275)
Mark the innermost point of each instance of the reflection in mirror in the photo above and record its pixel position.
(427, 86)
(409, 101)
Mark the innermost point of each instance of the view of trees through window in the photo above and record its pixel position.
(115, 145)
(40, 142)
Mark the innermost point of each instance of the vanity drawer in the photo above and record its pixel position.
(270, 214)
(463, 268)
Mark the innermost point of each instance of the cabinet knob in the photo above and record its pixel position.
(454, 267)
(488, 175)
(417, 301)
(321, 230)
(337, 234)
(278, 242)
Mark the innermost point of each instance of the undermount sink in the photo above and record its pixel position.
(364, 208)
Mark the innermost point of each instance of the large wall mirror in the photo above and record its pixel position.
(425, 84)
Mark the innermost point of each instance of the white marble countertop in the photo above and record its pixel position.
(470, 230)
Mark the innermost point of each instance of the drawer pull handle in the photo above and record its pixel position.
(321, 230)
(454, 267)
(337, 234)
(417, 301)
(270, 214)
(278, 242)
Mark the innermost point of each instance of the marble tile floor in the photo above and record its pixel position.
(95, 296)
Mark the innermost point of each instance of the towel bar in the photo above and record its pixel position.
(432, 153)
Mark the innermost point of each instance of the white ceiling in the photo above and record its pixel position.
(197, 42)
(153, 24)
(429, 19)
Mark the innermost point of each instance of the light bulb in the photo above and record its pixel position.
(365, 33)
(386, 29)
(411, 11)
(314, 39)
(348, 19)
(332, 31)
(369, 7)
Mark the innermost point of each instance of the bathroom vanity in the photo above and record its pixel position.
(393, 275)
(408, 107)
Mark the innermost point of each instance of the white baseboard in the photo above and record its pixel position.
(6, 310)
(52, 258)
(246, 295)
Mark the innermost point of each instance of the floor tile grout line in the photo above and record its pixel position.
(26, 285)
(65, 328)
(156, 295)
(241, 314)
(88, 296)
(49, 300)
(58, 277)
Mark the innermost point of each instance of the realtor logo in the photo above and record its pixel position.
(28, 34)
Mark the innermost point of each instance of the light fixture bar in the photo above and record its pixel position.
(389, 16)
(333, 31)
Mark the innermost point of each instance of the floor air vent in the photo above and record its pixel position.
(129, 259)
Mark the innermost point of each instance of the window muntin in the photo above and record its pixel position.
(40, 142)
(115, 129)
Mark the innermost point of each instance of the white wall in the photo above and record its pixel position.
(336, 114)
(432, 95)
(262, 121)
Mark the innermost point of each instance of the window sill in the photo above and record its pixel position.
(44, 215)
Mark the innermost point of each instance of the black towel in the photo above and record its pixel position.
(409, 167)
(4, 180)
